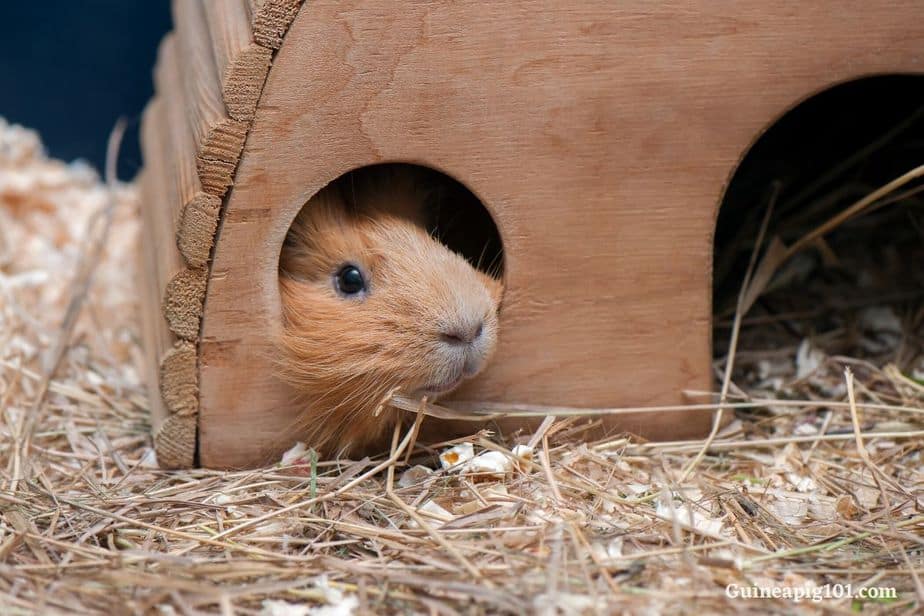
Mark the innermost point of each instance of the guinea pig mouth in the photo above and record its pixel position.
(470, 367)
(440, 387)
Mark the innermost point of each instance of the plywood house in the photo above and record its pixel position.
(599, 135)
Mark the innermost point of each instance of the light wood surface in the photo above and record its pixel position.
(600, 136)
(209, 76)
(196, 212)
(241, 62)
(161, 263)
(220, 138)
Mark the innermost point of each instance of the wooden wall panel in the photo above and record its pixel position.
(599, 135)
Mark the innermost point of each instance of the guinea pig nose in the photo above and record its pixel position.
(458, 336)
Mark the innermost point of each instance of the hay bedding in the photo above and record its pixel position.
(789, 495)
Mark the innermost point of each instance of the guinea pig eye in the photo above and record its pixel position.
(350, 280)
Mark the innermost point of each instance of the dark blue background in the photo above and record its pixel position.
(69, 69)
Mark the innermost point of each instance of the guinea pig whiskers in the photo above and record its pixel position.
(478, 264)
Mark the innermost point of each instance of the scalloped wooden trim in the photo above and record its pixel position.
(242, 63)
(175, 442)
(209, 77)
(179, 379)
(183, 300)
(219, 153)
(272, 19)
(244, 81)
(196, 230)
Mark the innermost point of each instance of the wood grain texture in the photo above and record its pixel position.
(599, 135)
(159, 256)
(174, 382)
(220, 138)
(271, 19)
(181, 160)
(196, 228)
(179, 378)
(209, 68)
(242, 63)
(184, 297)
(170, 149)
(195, 212)
(154, 334)
(175, 441)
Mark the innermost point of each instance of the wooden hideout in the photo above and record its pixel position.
(599, 135)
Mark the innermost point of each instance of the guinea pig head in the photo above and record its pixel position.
(373, 304)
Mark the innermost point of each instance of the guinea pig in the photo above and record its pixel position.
(372, 304)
